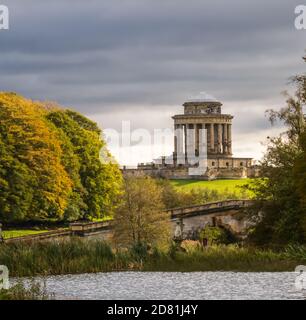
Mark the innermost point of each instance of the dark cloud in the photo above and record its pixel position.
(116, 59)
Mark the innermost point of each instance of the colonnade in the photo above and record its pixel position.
(219, 138)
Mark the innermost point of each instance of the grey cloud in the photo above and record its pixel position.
(114, 59)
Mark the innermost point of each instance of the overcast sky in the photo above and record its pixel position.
(139, 60)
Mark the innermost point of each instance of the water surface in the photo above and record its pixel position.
(176, 285)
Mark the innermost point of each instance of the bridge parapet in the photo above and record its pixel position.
(85, 229)
(208, 208)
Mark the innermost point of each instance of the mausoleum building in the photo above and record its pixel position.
(203, 118)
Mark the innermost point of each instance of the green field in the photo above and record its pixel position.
(218, 185)
(20, 233)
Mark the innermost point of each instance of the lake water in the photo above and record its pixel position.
(175, 285)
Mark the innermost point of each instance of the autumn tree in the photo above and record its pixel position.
(51, 165)
(34, 183)
(140, 218)
(97, 182)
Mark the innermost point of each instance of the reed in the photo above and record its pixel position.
(89, 256)
(73, 256)
(223, 258)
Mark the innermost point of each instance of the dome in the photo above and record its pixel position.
(202, 97)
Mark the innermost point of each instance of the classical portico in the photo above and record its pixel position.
(188, 160)
(203, 112)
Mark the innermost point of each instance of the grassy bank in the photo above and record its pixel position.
(7, 234)
(217, 185)
(81, 256)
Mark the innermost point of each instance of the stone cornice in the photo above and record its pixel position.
(203, 118)
(202, 103)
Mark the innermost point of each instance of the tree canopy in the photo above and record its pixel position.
(280, 211)
(140, 217)
(51, 165)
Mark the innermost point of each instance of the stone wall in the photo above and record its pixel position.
(91, 230)
(231, 220)
(182, 173)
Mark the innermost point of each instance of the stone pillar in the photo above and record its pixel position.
(176, 126)
(191, 146)
(219, 149)
(197, 128)
(180, 154)
(185, 141)
(229, 139)
(225, 140)
(212, 138)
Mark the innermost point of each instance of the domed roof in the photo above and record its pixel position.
(202, 97)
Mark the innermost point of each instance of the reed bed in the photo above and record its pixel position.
(89, 256)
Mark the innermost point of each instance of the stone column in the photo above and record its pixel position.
(191, 146)
(225, 140)
(185, 141)
(197, 128)
(229, 139)
(180, 156)
(212, 137)
(176, 126)
(219, 149)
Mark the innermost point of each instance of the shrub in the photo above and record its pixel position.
(20, 291)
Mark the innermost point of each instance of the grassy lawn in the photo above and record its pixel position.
(20, 233)
(104, 219)
(219, 185)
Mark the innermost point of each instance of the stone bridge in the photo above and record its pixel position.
(229, 214)
(187, 221)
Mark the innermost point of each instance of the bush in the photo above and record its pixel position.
(20, 291)
(215, 235)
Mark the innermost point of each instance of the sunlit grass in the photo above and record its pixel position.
(104, 219)
(7, 234)
(234, 186)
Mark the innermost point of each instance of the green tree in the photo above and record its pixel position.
(300, 182)
(97, 182)
(140, 218)
(278, 213)
(32, 175)
(51, 163)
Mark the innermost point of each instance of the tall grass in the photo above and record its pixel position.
(223, 258)
(297, 252)
(87, 256)
(74, 256)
